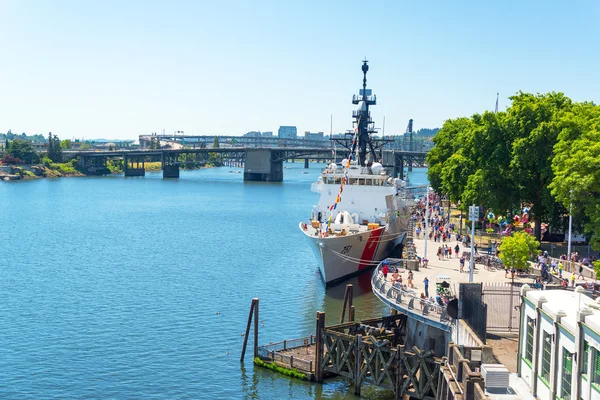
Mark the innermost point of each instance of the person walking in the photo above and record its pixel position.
(456, 250)
(560, 269)
(426, 285)
(580, 274)
(410, 279)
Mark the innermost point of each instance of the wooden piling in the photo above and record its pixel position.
(348, 294)
(255, 300)
(319, 347)
(253, 306)
(357, 366)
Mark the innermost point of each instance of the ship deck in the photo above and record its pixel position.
(337, 229)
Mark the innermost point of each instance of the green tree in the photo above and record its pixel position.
(23, 150)
(216, 142)
(534, 121)
(57, 150)
(501, 160)
(516, 250)
(85, 146)
(6, 144)
(66, 144)
(576, 167)
(54, 150)
(51, 151)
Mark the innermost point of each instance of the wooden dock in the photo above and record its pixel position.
(372, 351)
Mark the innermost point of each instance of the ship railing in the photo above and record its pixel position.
(406, 299)
(358, 113)
(275, 352)
(370, 99)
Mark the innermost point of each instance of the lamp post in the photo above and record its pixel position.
(570, 226)
(473, 214)
(426, 225)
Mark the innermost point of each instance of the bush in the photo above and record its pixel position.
(293, 373)
(47, 162)
(8, 159)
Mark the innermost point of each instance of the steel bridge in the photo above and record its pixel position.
(260, 164)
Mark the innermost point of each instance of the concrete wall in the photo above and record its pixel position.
(426, 337)
(259, 166)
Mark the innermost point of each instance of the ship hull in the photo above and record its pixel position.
(341, 257)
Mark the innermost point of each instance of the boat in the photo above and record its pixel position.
(363, 213)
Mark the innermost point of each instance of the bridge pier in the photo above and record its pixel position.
(170, 171)
(306, 163)
(170, 166)
(93, 165)
(263, 165)
(135, 169)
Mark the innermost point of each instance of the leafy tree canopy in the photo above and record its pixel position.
(502, 160)
(516, 250)
(23, 150)
(576, 166)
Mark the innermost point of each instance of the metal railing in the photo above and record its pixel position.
(273, 351)
(408, 300)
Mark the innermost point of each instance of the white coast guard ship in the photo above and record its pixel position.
(361, 217)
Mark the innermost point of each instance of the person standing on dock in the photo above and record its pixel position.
(385, 270)
(426, 285)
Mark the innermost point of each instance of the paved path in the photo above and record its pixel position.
(451, 267)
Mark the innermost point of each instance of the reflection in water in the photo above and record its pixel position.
(365, 303)
(249, 385)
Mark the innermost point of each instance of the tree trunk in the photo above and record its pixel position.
(538, 227)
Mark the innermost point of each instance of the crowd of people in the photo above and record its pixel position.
(437, 227)
(442, 295)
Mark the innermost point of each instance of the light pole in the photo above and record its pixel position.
(570, 225)
(472, 214)
(426, 225)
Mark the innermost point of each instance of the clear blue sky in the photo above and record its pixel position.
(117, 69)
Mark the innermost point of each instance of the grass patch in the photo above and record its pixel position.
(291, 372)
(152, 166)
(28, 174)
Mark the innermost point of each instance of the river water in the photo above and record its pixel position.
(125, 288)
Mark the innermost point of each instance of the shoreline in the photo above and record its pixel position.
(40, 171)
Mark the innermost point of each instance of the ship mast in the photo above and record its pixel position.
(363, 121)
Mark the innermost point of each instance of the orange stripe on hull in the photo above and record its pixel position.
(370, 249)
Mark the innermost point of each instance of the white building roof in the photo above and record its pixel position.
(566, 304)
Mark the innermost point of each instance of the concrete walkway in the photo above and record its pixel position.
(450, 267)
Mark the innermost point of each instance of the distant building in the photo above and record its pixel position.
(313, 136)
(559, 344)
(267, 134)
(287, 132)
(253, 134)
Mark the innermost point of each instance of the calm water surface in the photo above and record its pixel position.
(127, 288)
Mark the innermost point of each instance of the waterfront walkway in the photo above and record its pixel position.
(450, 268)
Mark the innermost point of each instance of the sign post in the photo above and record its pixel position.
(473, 215)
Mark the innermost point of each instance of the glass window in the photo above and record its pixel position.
(529, 340)
(586, 353)
(546, 356)
(567, 374)
(596, 366)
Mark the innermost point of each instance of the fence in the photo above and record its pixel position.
(407, 299)
(502, 302)
(274, 352)
(458, 378)
(572, 267)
